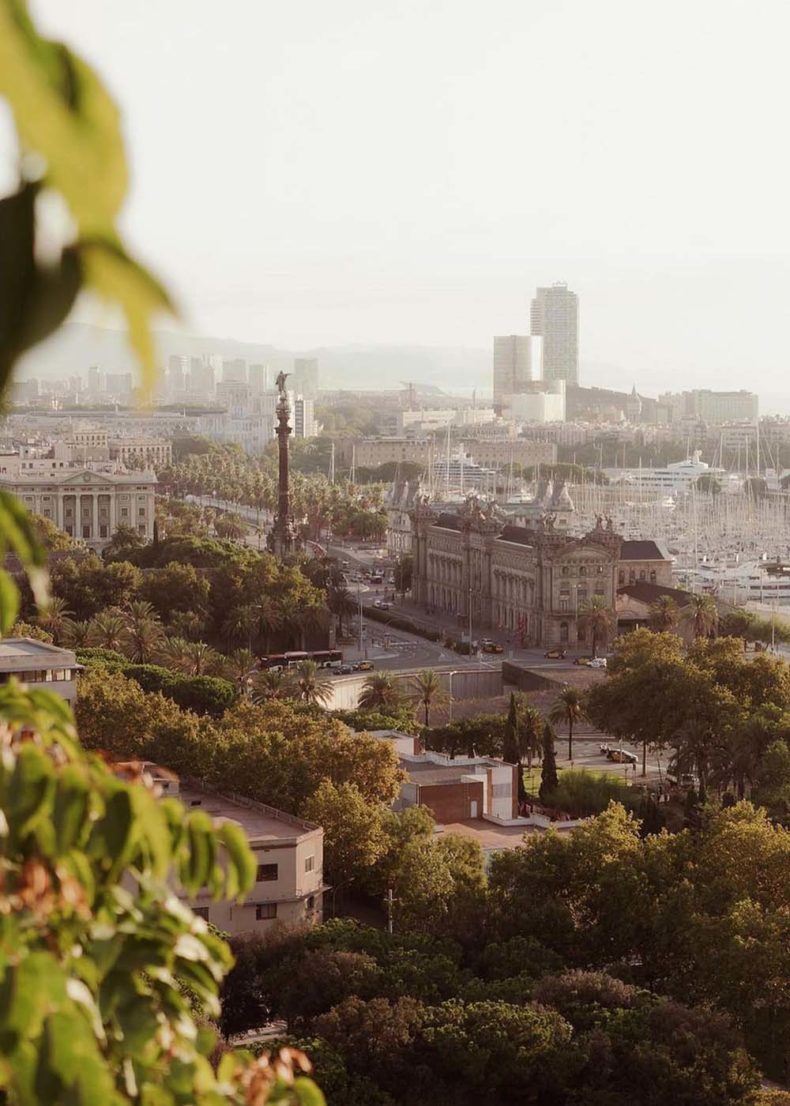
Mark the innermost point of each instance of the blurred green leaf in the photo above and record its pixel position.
(116, 277)
(241, 869)
(9, 602)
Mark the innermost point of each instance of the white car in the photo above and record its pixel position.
(598, 662)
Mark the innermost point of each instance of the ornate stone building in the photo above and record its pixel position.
(89, 505)
(529, 580)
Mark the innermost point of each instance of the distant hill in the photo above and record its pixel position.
(77, 346)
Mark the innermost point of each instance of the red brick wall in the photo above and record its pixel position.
(452, 802)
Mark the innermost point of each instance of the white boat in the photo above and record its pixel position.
(680, 476)
(754, 581)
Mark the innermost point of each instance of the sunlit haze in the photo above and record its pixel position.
(407, 172)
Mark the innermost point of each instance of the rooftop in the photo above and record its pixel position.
(261, 823)
(16, 649)
(427, 772)
(649, 593)
(641, 551)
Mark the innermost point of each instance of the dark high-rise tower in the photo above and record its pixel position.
(283, 530)
(555, 317)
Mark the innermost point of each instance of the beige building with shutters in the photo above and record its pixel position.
(88, 505)
(289, 854)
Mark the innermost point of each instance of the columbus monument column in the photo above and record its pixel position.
(283, 529)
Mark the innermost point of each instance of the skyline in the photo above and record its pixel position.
(308, 178)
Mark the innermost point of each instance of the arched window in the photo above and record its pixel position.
(652, 576)
(564, 633)
(642, 575)
(621, 576)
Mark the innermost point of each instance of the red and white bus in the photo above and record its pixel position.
(280, 662)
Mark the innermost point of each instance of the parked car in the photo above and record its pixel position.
(346, 669)
(619, 756)
(384, 606)
(365, 666)
(555, 654)
(378, 603)
(598, 662)
(490, 646)
(586, 662)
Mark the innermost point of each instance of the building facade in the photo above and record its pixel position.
(41, 664)
(88, 505)
(518, 360)
(530, 580)
(151, 452)
(555, 317)
(289, 856)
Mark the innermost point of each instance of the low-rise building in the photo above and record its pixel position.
(454, 789)
(289, 855)
(37, 663)
(152, 453)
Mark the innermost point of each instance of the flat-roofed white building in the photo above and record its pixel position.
(38, 663)
(289, 854)
(88, 505)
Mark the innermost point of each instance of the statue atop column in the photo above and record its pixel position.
(283, 531)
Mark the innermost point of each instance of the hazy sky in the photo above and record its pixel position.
(406, 171)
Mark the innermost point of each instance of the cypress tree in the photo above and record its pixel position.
(548, 773)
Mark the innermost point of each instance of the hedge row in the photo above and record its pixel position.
(201, 694)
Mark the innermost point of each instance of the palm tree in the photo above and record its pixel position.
(309, 685)
(144, 631)
(379, 692)
(269, 617)
(596, 617)
(241, 624)
(108, 630)
(568, 709)
(341, 603)
(664, 614)
(530, 731)
(199, 659)
(270, 685)
(75, 634)
(428, 691)
(171, 652)
(55, 617)
(240, 665)
(702, 615)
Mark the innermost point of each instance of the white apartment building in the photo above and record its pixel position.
(518, 360)
(544, 402)
(289, 854)
(41, 664)
(88, 505)
(711, 407)
(555, 317)
(304, 423)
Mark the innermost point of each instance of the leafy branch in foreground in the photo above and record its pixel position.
(95, 946)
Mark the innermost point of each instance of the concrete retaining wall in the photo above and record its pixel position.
(467, 683)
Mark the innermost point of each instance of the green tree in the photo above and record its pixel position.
(379, 692)
(568, 709)
(308, 684)
(597, 619)
(55, 617)
(353, 836)
(664, 614)
(702, 615)
(428, 691)
(548, 773)
(108, 630)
